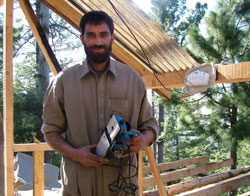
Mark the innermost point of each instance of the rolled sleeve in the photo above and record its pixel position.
(54, 119)
(146, 119)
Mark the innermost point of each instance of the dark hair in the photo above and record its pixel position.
(96, 18)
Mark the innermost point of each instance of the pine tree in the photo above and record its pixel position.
(175, 18)
(227, 40)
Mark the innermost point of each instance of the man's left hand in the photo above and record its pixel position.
(139, 142)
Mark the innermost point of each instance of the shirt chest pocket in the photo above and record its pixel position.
(120, 107)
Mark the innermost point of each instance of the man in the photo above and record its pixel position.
(79, 103)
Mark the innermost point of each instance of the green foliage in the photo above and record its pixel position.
(219, 121)
(175, 18)
(27, 115)
(56, 159)
(227, 37)
(187, 131)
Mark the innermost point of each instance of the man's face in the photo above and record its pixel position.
(97, 41)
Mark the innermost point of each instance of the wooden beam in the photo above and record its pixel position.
(177, 164)
(164, 93)
(202, 181)
(40, 36)
(155, 171)
(38, 171)
(220, 187)
(185, 172)
(1, 157)
(140, 172)
(231, 73)
(8, 97)
(32, 147)
(169, 79)
(199, 182)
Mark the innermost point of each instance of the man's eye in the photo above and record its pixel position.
(89, 35)
(104, 34)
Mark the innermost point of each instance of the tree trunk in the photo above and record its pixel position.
(233, 155)
(43, 75)
(177, 148)
(234, 142)
(43, 16)
(160, 142)
(2, 187)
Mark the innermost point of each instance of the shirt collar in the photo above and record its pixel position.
(86, 68)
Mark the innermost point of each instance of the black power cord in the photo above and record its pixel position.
(124, 183)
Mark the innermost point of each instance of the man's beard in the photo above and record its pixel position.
(98, 57)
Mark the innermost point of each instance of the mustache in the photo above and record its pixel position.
(97, 47)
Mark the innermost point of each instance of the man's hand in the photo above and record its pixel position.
(139, 142)
(86, 157)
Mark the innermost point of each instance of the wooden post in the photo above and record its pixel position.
(38, 172)
(1, 156)
(8, 97)
(140, 172)
(155, 171)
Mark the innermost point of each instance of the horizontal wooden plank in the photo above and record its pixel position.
(185, 172)
(220, 187)
(169, 80)
(239, 72)
(199, 182)
(231, 73)
(203, 181)
(177, 164)
(32, 147)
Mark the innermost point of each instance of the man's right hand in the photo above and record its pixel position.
(86, 157)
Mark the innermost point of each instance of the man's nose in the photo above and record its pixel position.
(98, 40)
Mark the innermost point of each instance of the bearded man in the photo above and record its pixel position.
(78, 105)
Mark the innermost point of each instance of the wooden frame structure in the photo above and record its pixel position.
(206, 184)
(168, 59)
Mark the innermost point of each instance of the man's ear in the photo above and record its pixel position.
(113, 38)
(82, 39)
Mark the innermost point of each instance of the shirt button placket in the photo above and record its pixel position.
(100, 103)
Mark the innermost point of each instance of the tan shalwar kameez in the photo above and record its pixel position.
(79, 103)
